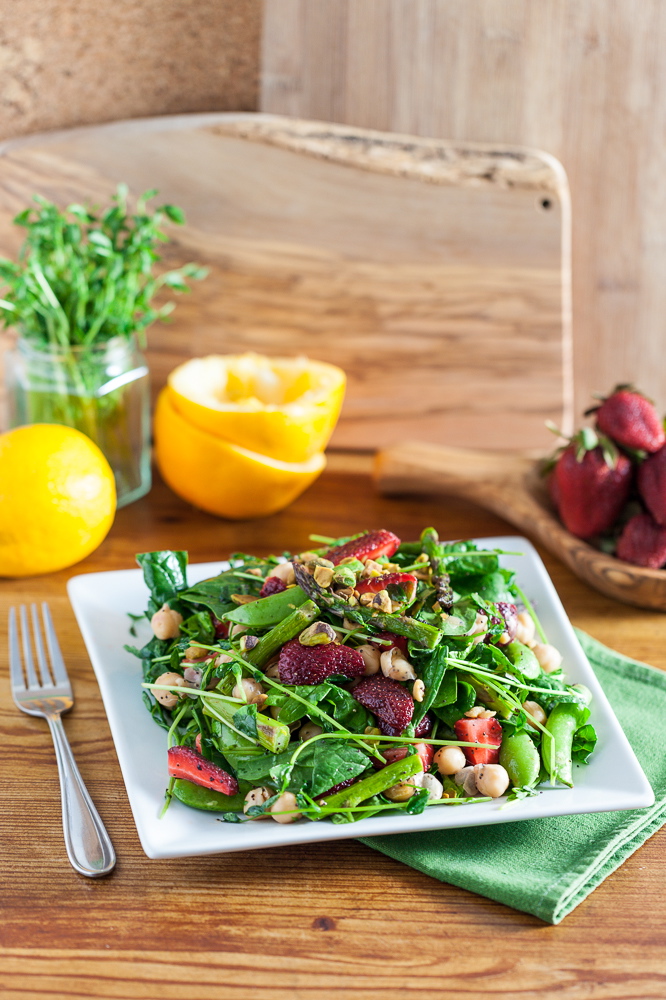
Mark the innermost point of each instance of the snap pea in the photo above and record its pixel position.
(523, 659)
(520, 758)
(391, 775)
(268, 611)
(562, 723)
(208, 799)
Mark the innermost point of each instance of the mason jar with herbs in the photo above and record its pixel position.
(80, 299)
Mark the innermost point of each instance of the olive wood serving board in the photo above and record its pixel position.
(510, 486)
(437, 274)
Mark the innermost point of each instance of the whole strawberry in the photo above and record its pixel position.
(592, 481)
(631, 420)
(642, 542)
(651, 481)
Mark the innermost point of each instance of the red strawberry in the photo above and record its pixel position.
(371, 546)
(388, 700)
(338, 788)
(272, 585)
(642, 542)
(652, 484)
(313, 664)
(401, 586)
(396, 640)
(424, 750)
(184, 762)
(592, 480)
(479, 731)
(631, 420)
(424, 727)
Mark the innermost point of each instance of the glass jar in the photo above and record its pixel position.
(102, 390)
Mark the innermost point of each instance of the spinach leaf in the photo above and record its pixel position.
(165, 574)
(432, 668)
(465, 699)
(245, 719)
(334, 762)
(256, 767)
(156, 711)
(584, 742)
(345, 709)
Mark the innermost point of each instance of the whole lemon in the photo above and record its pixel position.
(57, 498)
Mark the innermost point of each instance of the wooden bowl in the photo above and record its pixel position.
(510, 486)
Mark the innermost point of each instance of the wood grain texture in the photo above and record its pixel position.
(512, 487)
(337, 920)
(431, 272)
(583, 79)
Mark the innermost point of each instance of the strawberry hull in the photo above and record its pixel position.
(184, 762)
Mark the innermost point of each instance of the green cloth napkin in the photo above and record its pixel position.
(548, 866)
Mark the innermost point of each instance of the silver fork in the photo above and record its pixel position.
(88, 845)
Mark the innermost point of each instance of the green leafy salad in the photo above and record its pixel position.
(365, 676)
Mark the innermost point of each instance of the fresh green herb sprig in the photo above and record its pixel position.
(84, 278)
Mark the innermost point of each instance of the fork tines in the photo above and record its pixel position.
(48, 678)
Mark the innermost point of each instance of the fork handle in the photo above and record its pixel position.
(89, 847)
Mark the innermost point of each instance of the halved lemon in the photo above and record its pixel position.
(220, 477)
(285, 408)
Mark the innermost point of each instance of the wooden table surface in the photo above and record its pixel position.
(310, 922)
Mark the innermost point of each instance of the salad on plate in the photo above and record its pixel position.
(364, 676)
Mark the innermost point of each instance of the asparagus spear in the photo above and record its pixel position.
(285, 630)
(390, 775)
(419, 632)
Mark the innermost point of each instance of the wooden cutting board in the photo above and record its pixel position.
(436, 274)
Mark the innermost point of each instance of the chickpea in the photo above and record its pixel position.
(195, 653)
(434, 786)
(285, 572)
(549, 658)
(395, 666)
(526, 629)
(479, 628)
(449, 760)
(491, 779)
(273, 670)
(308, 730)
(370, 656)
(250, 691)
(285, 804)
(168, 698)
(166, 623)
(257, 797)
(401, 792)
(535, 710)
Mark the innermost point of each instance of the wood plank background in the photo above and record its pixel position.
(583, 79)
(437, 275)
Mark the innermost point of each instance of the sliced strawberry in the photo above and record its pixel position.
(592, 483)
(389, 701)
(338, 788)
(312, 664)
(642, 542)
(184, 762)
(370, 546)
(479, 731)
(401, 586)
(651, 481)
(631, 420)
(390, 755)
(396, 640)
(272, 585)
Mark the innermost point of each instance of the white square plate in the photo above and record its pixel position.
(613, 780)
